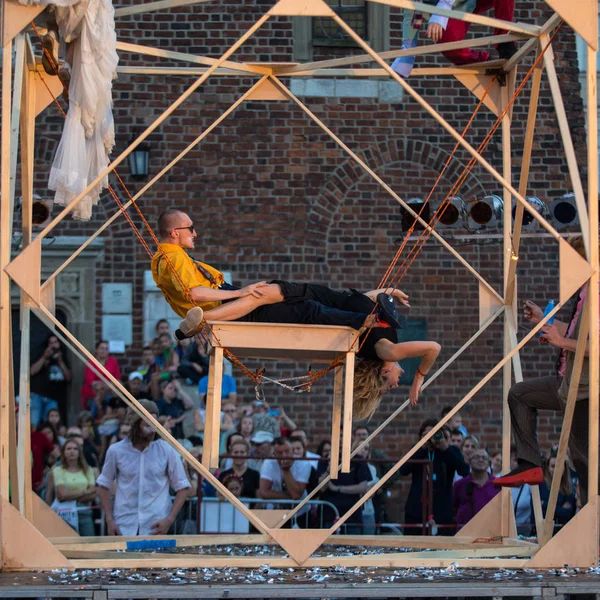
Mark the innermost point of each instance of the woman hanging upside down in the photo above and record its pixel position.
(197, 291)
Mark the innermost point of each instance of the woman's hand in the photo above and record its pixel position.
(435, 32)
(415, 389)
(532, 312)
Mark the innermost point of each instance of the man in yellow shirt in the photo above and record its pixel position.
(189, 285)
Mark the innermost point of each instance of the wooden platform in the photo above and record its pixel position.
(379, 583)
(274, 341)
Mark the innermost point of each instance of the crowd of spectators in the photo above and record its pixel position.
(110, 454)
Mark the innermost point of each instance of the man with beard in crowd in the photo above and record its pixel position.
(144, 469)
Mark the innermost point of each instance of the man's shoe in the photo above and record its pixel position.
(525, 473)
(50, 54)
(386, 311)
(192, 324)
(507, 49)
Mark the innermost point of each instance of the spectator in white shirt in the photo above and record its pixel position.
(144, 469)
(283, 477)
(299, 450)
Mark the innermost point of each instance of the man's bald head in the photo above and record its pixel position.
(168, 220)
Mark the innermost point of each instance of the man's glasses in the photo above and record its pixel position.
(190, 228)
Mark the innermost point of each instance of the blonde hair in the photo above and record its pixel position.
(369, 387)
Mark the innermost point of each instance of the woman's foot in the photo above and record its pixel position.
(192, 324)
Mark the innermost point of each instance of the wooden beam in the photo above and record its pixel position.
(201, 60)
(348, 400)
(301, 8)
(569, 148)
(215, 437)
(336, 421)
(28, 114)
(510, 288)
(538, 515)
(567, 423)
(594, 354)
(20, 73)
(391, 54)
(379, 560)
(6, 209)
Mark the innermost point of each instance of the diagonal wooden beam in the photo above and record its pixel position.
(569, 148)
(184, 57)
(390, 54)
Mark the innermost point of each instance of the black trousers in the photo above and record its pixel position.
(314, 304)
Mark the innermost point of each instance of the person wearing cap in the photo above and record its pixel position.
(144, 469)
(261, 448)
(135, 385)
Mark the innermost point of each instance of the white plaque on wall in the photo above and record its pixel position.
(116, 298)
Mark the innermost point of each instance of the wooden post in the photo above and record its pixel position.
(6, 207)
(208, 413)
(348, 398)
(216, 409)
(336, 421)
(509, 313)
(27, 159)
(594, 356)
(523, 182)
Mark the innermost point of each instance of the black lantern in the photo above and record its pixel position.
(139, 160)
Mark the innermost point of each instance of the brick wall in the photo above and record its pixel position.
(272, 195)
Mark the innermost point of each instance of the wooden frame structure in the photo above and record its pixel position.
(33, 537)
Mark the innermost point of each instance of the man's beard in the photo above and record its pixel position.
(138, 434)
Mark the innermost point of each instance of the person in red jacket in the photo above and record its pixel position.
(92, 384)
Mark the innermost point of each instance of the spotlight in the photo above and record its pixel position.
(529, 221)
(564, 211)
(452, 214)
(486, 212)
(41, 210)
(407, 219)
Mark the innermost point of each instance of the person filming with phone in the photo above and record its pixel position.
(445, 460)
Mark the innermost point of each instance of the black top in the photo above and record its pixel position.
(173, 409)
(369, 339)
(50, 380)
(250, 481)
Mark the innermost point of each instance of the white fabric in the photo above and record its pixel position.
(439, 19)
(143, 479)
(300, 471)
(88, 135)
